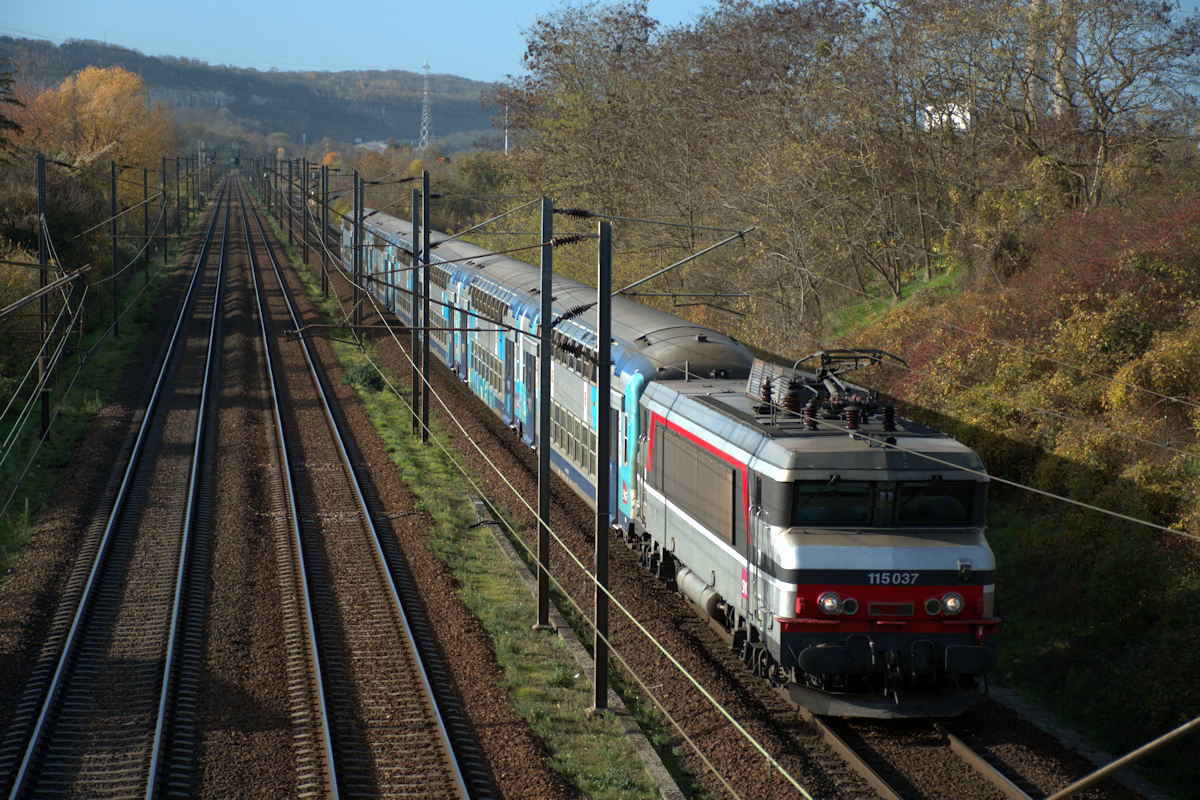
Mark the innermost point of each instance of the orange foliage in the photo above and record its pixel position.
(96, 116)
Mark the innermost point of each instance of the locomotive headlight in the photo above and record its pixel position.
(830, 603)
(952, 602)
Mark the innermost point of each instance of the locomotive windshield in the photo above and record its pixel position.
(909, 504)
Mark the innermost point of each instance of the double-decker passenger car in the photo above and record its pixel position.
(840, 546)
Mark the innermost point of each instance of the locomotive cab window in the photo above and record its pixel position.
(832, 502)
(839, 503)
(935, 503)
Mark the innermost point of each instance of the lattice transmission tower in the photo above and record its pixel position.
(426, 113)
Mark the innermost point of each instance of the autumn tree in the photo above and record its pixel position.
(96, 116)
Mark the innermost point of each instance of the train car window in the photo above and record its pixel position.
(656, 464)
(935, 503)
(615, 437)
(831, 502)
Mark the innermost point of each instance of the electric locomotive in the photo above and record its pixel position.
(839, 546)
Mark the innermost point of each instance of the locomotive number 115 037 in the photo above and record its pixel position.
(892, 578)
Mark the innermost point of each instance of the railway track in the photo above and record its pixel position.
(109, 709)
(362, 675)
(922, 760)
(897, 760)
(116, 703)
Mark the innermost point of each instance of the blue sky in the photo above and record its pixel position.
(478, 39)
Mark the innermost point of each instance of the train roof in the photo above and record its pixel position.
(671, 345)
(781, 441)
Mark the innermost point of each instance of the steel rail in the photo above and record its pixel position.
(397, 603)
(71, 642)
(984, 768)
(190, 505)
(306, 605)
(848, 754)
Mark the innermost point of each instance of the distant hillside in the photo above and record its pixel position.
(343, 106)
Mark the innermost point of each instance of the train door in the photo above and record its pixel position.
(389, 288)
(509, 378)
(629, 476)
(452, 346)
(464, 322)
(531, 390)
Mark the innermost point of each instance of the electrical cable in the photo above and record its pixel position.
(155, 197)
(136, 256)
(53, 418)
(514, 535)
(1007, 482)
(76, 317)
(1042, 412)
(582, 213)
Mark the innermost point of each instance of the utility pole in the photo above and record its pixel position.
(545, 352)
(112, 184)
(304, 212)
(187, 189)
(425, 303)
(290, 191)
(166, 230)
(324, 230)
(356, 259)
(178, 206)
(603, 431)
(414, 348)
(44, 303)
(146, 225)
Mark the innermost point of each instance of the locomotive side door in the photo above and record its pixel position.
(755, 549)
